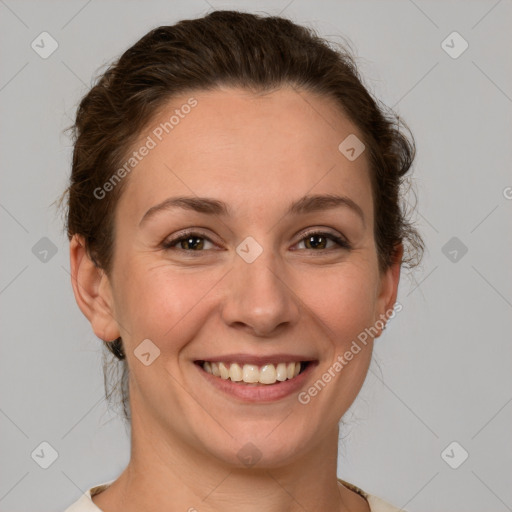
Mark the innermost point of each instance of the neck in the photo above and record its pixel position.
(167, 474)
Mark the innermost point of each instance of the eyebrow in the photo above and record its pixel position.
(210, 206)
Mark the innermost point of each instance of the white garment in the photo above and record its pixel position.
(85, 503)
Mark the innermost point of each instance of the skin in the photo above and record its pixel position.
(258, 153)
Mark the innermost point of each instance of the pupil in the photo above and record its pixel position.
(188, 241)
(311, 238)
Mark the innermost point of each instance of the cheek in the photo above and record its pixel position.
(160, 303)
(343, 301)
(342, 307)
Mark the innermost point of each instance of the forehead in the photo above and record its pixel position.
(245, 149)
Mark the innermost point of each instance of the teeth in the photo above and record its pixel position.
(215, 369)
(290, 370)
(250, 373)
(253, 374)
(281, 373)
(224, 371)
(268, 374)
(235, 373)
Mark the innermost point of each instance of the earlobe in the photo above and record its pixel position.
(389, 289)
(92, 291)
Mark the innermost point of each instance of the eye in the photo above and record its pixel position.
(315, 241)
(318, 241)
(190, 242)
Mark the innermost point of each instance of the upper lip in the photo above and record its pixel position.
(258, 360)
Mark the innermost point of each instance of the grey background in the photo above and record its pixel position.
(444, 361)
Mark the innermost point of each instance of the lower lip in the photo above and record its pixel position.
(261, 392)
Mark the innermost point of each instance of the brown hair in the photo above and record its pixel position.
(229, 48)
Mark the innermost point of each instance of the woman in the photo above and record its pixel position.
(236, 239)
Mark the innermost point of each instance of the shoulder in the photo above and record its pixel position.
(376, 504)
(85, 503)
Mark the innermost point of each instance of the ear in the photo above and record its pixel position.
(388, 290)
(92, 290)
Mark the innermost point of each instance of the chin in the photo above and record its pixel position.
(257, 447)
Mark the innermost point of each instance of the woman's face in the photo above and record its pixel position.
(251, 285)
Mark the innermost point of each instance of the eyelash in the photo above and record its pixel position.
(341, 242)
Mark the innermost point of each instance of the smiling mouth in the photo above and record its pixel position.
(254, 374)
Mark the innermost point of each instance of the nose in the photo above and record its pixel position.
(258, 299)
